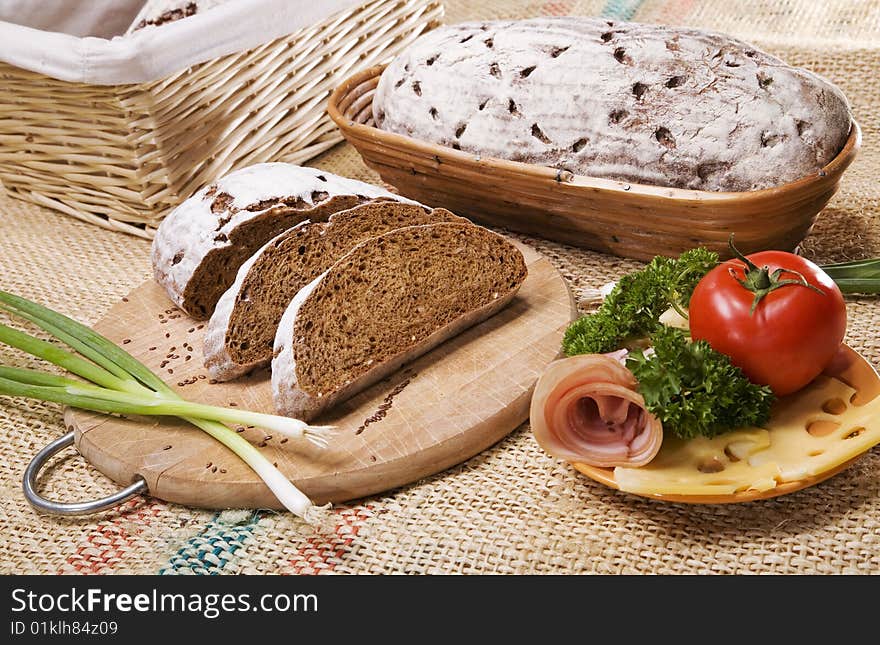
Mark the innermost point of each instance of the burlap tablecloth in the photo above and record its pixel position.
(511, 509)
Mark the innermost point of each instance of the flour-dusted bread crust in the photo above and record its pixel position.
(242, 328)
(389, 300)
(632, 102)
(202, 243)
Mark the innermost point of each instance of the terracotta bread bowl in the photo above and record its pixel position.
(631, 220)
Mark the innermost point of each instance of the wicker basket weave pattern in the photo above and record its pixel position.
(121, 156)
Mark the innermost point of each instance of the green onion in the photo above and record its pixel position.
(83, 339)
(860, 276)
(120, 384)
(61, 358)
(101, 399)
(34, 377)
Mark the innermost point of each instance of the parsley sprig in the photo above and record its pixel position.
(633, 308)
(695, 390)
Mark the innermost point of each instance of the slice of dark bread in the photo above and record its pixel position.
(200, 245)
(389, 300)
(242, 329)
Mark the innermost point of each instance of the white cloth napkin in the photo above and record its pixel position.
(73, 40)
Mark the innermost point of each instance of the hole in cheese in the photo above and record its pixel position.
(821, 427)
(834, 406)
(855, 432)
(713, 465)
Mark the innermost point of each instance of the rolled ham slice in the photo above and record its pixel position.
(586, 409)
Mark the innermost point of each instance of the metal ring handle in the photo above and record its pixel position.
(77, 508)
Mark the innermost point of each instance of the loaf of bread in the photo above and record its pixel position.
(200, 245)
(241, 331)
(389, 300)
(631, 102)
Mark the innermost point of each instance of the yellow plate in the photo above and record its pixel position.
(848, 366)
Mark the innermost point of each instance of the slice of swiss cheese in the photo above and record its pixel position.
(758, 459)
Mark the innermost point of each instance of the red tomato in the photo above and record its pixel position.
(794, 330)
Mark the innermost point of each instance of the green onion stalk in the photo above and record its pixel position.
(117, 383)
(861, 276)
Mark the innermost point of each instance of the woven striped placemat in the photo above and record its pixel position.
(511, 509)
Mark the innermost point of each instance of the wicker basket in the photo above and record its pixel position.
(631, 220)
(121, 155)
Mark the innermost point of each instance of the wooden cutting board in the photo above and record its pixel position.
(438, 411)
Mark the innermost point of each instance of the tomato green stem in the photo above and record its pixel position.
(760, 281)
